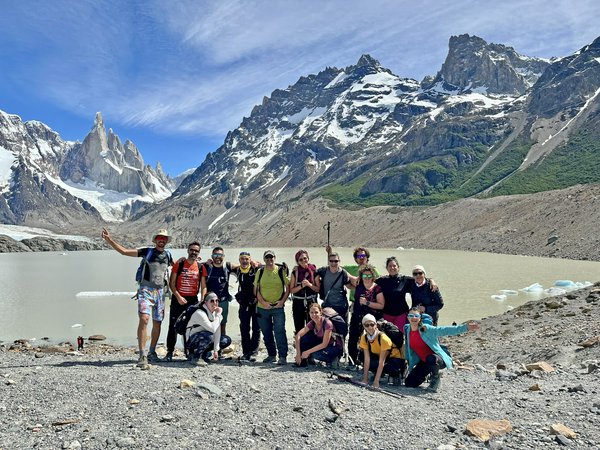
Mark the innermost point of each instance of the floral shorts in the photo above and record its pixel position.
(151, 301)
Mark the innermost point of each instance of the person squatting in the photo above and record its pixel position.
(376, 330)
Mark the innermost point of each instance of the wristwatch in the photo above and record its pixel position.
(368, 302)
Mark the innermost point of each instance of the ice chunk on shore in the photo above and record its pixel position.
(508, 292)
(499, 298)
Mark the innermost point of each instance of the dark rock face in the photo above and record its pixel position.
(473, 63)
(9, 245)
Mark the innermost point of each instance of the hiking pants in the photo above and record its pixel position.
(328, 354)
(355, 329)
(393, 367)
(249, 330)
(300, 311)
(174, 312)
(202, 342)
(417, 375)
(273, 321)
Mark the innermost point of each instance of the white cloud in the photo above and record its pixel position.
(197, 67)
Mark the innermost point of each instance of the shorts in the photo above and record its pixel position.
(151, 301)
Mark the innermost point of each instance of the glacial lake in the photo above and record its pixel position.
(46, 294)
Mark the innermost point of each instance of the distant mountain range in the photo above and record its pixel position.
(46, 181)
(490, 122)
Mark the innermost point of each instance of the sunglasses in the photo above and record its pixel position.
(214, 300)
(361, 255)
(367, 275)
(334, 260)
(303, 259)
(218, 255)
(269, 257)
(414, 316)
(369, 325)
(418, 273)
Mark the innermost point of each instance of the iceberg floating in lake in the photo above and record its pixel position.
(535, 287)
(77, 325)
(102, 294)
(508, 292)
(565, 283)
(499, 298)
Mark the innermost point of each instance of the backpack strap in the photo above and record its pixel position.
(333, 284)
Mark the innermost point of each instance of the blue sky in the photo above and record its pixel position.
(175, 76)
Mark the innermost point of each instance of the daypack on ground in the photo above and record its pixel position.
(181, 324)
(339, 324)
(391, 331)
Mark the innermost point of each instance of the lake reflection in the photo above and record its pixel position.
(40, 290)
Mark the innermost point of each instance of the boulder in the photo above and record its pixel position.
(563, 430)
(484, 429)
(97, 337)
(594, 340)
(184, 384)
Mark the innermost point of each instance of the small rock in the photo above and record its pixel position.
(134, 401)
(535, 387)
(553, 304)
(505, 375)
(445, 447)
(10, 382)
(562, 440)
(561, 429)
(97, 337)
(255, 389)
(38, 355)
(591, 368)
(501, 366)
(578, 388)
(298, 409)
(167, 418)
(211, 388)
(185, 383)
(540, 365)
(202, 394)
(71, 445)
(484, 429)
(589, 342)
(258, 430)
(123, 442)
(451, 428)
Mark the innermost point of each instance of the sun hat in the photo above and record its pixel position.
(162, 232)
(269, 252)
(420, 268)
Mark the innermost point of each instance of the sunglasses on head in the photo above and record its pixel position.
(414, 316)
(369, 325)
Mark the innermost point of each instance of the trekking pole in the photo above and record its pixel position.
(328, 228)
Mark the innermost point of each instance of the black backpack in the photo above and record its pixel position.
(391, 331)
(181, 324)
(339, 324)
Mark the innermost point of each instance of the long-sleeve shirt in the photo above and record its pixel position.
(204, 320)
(431, 300)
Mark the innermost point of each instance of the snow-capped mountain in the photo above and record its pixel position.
(362, 135)
(47, 181)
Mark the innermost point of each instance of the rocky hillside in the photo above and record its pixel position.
(345, 139)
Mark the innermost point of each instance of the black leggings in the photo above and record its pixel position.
(417, 375)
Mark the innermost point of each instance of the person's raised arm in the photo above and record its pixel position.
(118, 247)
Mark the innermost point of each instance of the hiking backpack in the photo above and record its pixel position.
(391, 331)
(181, 324)
(339, 324)
(281, 270)
(141, 270)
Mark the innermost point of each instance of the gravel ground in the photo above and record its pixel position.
(55, 398)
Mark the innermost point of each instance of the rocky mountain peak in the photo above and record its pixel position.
(472, 64)
(98, 121)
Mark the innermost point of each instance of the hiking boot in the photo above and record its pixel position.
(397, 381)
(153, 357)
(168, 357)
(142, 362)
(247, 358)
(255, 352)
(269, 359)
(199, 362)
(335, 363)
(282, 361)
(311, 361)
(434, 384)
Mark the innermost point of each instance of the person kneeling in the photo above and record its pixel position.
(317, 340)
(379, 354)
(424, 353)
(204, 331)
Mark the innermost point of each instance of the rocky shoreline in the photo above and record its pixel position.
(55, 397)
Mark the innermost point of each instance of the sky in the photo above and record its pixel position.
(174, 76)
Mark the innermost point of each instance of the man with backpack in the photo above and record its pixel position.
(150, 295)
(185, 282)
(249, 328)
(271, 288)
(332, 282)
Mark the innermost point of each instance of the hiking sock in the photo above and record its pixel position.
(142, 353)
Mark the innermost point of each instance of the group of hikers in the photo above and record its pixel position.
(384, 335)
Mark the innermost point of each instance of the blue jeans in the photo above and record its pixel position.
(269, 321)
(328, 354)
